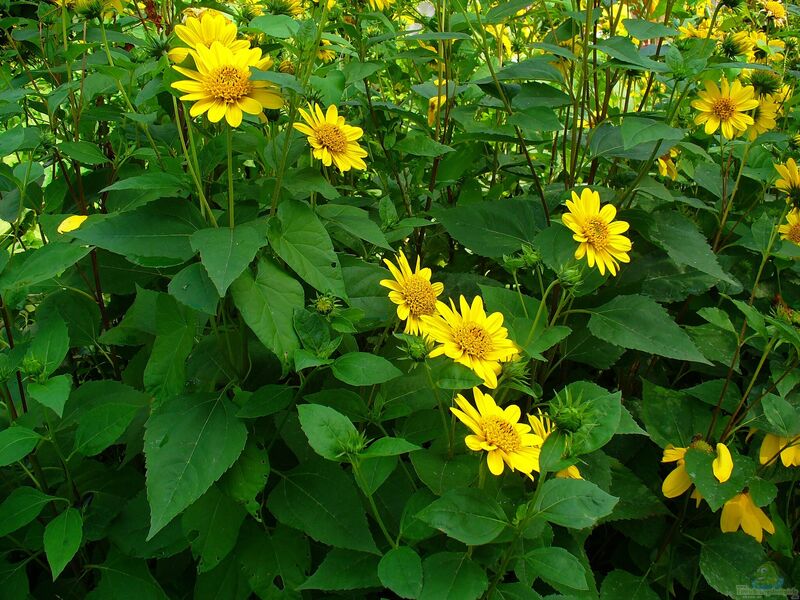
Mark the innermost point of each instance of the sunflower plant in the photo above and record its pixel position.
(410, 299)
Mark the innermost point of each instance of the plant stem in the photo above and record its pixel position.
(229, 140)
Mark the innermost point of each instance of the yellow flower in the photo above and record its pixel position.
(773, 445)
(210, 27)
(498, 432)
(666, 164)
(329, 5)
(332, 140)
(412, 291)
(290, 8)
(543, 427)
(436, 102)
(600, 237)
(767, 49)
(725, 107)
(323, 53)
(71, 223)
(500, 33)
(222, 85)
(741, 511)
(678, 481)
(699, 31)
(380, 4)
(763, 118)
(98, 8)
(791, 229)
(775, 11)
(790, 180)
(722, 466)
(471, 338)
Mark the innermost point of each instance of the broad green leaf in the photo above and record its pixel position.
(671, 417)
(247, 478)
(42, 264)
(622, 49)
(452, 575)
(189, 442)
(601, 420)
(637, 130)
(699, 467)
(636, 500)
(14, 580)
(784, 418)
(421, 145)
(125, 578)
(301, 183)
(62, 538)
(267, 303)
(329, 432)
(441, 472)
(193, 287)
(556, 566)
(50, 343)
(278, 26)
(640, 323)
(355, 221)
(573, 503)
(400, 570)
(298, 237)
(132, 192)
(212, 524)
(226, 252)
(83, 152)
(389, 446)
(730, 560)
(344, 570)
(176, 326)
(265, 401)
(21, 507)
(319, 499)
(467, 515)
(226, 580)
(16, 443)
(53, 393)
(362, 368)
(646, 30)
(621, 584)
(454, 376)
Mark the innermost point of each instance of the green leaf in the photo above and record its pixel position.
(783, 417)
(265, 401)
(278, 26)
(132, 192)
(226, 252)
(621, 584)
(389, 446)
(50, 343)
(84, 152)
(53, 393)
(698, 466)
(329, 432)
(671, 417)
(467, 515)
(419, 144)
(573, 503)
(247, 478)
(355, 221)
(21, 507)
(189, 442)
(62, 538)
(441, 472)
(452, 575)
(640, 323)
(637, 130)
(400, 570)
(320, 499)
(41, 265)
(625, 51)
(125, 578)
(492, 229)
(454, 376)
(267, 303)
(730, 560)
(601, 420)
(176, 325)
(16, 443)
(193, 287)
(645, 30)
(557, 567)
(298, 237)
(362, 368)
(343, 570)
(212, 524)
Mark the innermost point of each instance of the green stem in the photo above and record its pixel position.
(372, 505)
(229, 139)
(205, 209)
(448, 432)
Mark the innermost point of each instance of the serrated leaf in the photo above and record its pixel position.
(212, 524)
(400, 570)
(328, 431)
(730, 560)
(362, 368)
(467, 515)
(53, 393)
(16, 443)
(556, 566)
(225, 252)
(452, 575)
(21, 507)
(62, 538)
(573, 503)
(343, 570)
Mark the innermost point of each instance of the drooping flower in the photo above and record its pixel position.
(98, 9)
(725, 107)
(412, 291)
(738, 43)
(324, 53)
(666, 164)
(222, 85)
(791, 229)
(766, 49)
(471, 338)
(332, 140)
(772, 445)
(763, 118)
(211, 26)
(498, 432)
(543, 427)
(722, 466)
(741, 512)
(789, 181)
(678, 481)
(775, 11)
(290, 8)
(599, 236)
(71, 223)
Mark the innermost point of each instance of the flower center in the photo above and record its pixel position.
(332, 138)
(596, 232)
(419, 296)
(500, 433)
(228, 84)
(723, 108)
(794, 233)
(473, 339)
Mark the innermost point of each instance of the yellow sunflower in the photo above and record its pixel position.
(412, 291)
(764, 117)
(543, 427)
(789, 181)
(498, 432)
(332, 140)
(211, 26)
(290, 8)
(774, 11)
(741, 511)
(222, 85)
(600, 237)
(324, 53)
(666, 164)
(471, 338)
(772, 445)
(380, 4)
(726, 107)
(791, 229)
